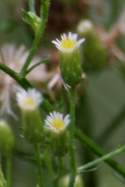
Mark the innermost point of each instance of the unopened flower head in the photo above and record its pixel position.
(29, 100)
(84, 26)
(68, 43)
(57, 122)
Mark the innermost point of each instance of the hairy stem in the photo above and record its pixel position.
(38, 36)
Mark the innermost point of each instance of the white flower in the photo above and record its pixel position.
(68, 43)
(84, 26)
(29, 100)
(57, 122)
(15, 57)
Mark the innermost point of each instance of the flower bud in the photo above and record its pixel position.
(64, 181)
(28, 102)
(32, 19)
(94, 52)
(70, 58)
(7, 140)
(85, 27)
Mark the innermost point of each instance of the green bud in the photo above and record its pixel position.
(32, 19)
(7, 140)
(85, 27)
(32, 125)
(94, 51)
(64, 181)
(71, 67)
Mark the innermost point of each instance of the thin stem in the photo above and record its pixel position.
(72, 144)
(36, 65)
(89, 165)
(32, 5)
(39, 164)
(48, 164)
(22, 81)
(9, 171)
(96, 149)
(38, 36)
(9, 71)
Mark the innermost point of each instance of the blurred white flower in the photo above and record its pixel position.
(84, 26)
(57, 122)
(29, 100)
(15, 57)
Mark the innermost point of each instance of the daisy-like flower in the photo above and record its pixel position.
(68, 43)
(57, 122)
(70, 58)
(29, 100)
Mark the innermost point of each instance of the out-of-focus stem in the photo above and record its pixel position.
(93, 163)
(96, 149)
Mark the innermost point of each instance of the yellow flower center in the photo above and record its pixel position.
(68, 43)
(30, 102)
(58, 124)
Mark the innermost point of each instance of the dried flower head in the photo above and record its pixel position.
(57, 122)
(68, 43)
(29, 100)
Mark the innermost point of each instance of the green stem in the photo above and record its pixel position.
(60, 171)
(20, 78)
(36, 65)
(89, 165)
(96, 149)
(71, 140)
(49, 167)
(32, 5)
(39, 164)
(38, 36)
(22, 81)
(9, 171)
